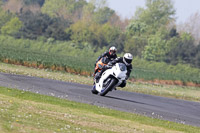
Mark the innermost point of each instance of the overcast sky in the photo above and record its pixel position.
(127, 8)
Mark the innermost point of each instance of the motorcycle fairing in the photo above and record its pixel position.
(117, 71)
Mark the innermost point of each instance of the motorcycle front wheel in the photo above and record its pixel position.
(108, 87)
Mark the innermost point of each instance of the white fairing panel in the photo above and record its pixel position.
(118, 71)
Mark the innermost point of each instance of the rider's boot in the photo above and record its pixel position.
(113, 89)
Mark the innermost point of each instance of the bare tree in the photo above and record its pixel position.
(116, 21)
(192, 25)
(18, 6)
(14, 5)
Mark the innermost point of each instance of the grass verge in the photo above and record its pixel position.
(28, 112)
(179, 92)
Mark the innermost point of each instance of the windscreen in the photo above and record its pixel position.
(122, 67)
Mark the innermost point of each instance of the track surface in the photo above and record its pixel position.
(180, 111)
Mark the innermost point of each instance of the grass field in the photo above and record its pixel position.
(33, 113)
(84, 65)
(179, 92)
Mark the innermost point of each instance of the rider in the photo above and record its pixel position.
(111, 54)
(126, 59)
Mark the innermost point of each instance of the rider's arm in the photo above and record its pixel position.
(129, 69)
(115, 61)
(103, 55)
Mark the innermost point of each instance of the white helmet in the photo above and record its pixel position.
(127, 58)
(112, 50)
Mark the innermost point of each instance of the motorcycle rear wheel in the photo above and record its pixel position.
(94, 91)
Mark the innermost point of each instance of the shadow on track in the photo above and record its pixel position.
(122, 99)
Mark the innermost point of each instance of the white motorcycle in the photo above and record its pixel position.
(110, 79)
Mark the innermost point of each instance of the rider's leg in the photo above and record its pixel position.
(97, 77)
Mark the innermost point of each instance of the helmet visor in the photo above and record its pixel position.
(128, 60)
(112, 51)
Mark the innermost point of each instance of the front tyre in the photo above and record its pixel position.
(108, 87)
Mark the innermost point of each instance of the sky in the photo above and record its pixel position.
(127, 8)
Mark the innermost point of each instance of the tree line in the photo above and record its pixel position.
(151, 34)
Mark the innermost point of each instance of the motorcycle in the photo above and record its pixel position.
(110, 79)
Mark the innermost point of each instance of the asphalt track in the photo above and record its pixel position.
(179, 111)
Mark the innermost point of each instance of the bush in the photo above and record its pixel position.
(159, 70)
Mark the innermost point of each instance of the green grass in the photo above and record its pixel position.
(179, 92)
(159, 70)
(28, 112)
(85, 64)
(46, 59)
(171, 91)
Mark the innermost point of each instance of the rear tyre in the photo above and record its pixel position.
(94, 91)
(108, 87)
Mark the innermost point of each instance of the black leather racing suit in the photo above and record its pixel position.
(107, 54)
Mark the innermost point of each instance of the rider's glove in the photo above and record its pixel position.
(104, 67)
(109, 64)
